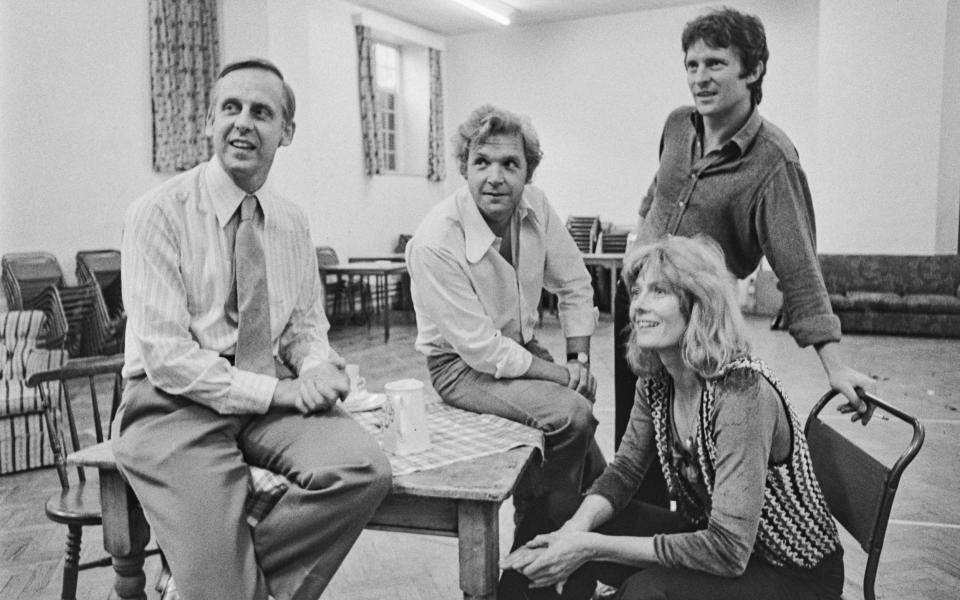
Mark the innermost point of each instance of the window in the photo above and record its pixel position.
(387, 81)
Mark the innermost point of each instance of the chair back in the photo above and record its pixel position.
(614, 242)
(27, 274)
(103, 268)
(858, 487)
(584, 231)
(74, 396)
(326, 255)
(402, 242)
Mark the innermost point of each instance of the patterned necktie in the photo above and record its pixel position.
(254, 344)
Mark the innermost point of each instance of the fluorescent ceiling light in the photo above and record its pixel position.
(485, 11)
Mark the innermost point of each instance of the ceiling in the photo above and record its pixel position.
(446, 17)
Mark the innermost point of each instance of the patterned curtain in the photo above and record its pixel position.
(369, 125)
(436, 169)
(183, 68)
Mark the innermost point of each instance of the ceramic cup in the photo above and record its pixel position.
(404, 420)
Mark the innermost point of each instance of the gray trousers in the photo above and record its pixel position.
(572, 459)
(188, 466)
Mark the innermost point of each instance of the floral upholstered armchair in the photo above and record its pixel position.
(23, 441)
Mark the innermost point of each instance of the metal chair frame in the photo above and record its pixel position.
(859, 488)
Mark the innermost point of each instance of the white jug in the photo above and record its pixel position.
(404, 421)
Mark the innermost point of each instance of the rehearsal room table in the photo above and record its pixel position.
(460, 499)
(381, 270)
(610, 260)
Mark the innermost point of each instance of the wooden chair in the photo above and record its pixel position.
(102, 267)
(585, 231)
(72, 424)
(859, 488)
(34, 281)
(341, 295)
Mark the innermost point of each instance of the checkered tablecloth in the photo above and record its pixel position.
(455, 435)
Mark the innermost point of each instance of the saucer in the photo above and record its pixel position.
(363, 402)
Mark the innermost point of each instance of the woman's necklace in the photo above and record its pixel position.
(685, 443)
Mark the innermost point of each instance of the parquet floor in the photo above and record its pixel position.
(921, 559)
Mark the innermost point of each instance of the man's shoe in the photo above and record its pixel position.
(166, 586)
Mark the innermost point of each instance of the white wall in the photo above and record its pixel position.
(75, 116)
(881, 90)
(598, 91)
(77, 141)
(867, 91)
(315, 45)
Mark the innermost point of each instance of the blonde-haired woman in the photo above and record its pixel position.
(751, 519)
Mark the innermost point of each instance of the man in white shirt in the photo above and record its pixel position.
(478, 263)
(191, 422)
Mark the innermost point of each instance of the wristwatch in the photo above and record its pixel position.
(581, 357)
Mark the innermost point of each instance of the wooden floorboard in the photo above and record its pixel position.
(918, 563)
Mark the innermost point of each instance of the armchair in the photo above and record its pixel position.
(23, 439)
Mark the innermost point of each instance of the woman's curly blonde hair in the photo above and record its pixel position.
(694, 270)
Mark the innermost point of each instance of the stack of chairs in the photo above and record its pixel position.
(611, 242)
(584, 231)
(34, 281)
(102, 267)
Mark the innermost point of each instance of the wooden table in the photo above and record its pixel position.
(388, 256)
(610, 260)
(381, 270)
(461, 500)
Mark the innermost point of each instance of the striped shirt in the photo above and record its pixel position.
(177, 266)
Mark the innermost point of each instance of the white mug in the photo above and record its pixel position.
(404, 420)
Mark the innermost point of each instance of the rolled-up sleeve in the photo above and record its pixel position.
(446, 299)
(787, 231)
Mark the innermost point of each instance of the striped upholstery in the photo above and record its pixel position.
(23, 442)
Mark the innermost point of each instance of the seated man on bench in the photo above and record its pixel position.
(228, 365)
(478, 263)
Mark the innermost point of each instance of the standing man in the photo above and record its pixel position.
(727, 172)
(228, 365)
(478, 263)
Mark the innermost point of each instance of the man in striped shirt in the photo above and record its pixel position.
(191, 422)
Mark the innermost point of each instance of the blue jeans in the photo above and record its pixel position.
(572, 459)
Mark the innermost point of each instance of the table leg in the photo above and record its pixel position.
(386, 309)
(479, 533)
(613, 287)
(125, 536)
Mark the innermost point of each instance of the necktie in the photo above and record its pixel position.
(254, 344)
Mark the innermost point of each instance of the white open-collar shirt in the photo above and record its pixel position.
(471, 301)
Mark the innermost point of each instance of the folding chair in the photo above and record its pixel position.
(584, 231)
(859, 488)
(102, 267)
(34, 281)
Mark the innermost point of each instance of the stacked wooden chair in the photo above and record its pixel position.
(34, 281)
